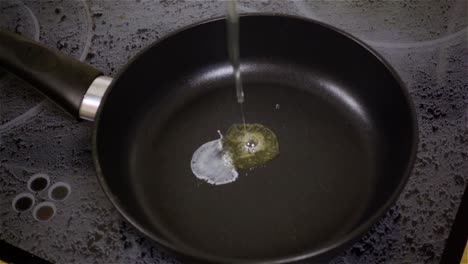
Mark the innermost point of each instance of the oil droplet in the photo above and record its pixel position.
(23, 202)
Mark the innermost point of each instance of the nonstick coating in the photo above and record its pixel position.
(345, 125)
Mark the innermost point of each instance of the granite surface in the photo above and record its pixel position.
(426, 41)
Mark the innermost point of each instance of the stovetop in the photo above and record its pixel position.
(426, 42)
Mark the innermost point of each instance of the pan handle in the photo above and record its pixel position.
(61, 78)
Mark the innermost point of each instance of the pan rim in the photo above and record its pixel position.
(332, 248)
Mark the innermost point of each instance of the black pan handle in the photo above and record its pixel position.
(61, 78)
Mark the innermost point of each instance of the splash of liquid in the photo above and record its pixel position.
(244, 147)
(212, 164)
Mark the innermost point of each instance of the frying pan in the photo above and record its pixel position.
(345, 123)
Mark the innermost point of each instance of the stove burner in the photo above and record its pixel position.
(67, 27)
(379, 28)
(23, 202)
(18, 18)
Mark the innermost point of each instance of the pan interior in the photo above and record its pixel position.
(317, 189)
(344, 124)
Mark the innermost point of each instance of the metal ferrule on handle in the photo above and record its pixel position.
(93, 96)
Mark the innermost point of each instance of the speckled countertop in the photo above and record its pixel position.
(426, 41)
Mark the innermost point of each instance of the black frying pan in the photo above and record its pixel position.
(345, 124)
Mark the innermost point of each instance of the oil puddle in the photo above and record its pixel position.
(245, 146)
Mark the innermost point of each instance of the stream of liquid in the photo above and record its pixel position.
(245, 146)
(233, 51)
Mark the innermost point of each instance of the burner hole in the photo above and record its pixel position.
(38, 182)
(44, 211)
(23, 202)
(59, 191)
